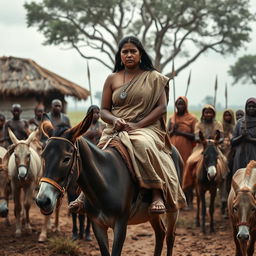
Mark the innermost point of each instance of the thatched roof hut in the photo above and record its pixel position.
(23, 81)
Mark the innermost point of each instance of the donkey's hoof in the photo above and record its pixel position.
(42, 238)
(88, 237)
(18, 233)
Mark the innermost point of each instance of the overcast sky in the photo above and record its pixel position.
(19, 41)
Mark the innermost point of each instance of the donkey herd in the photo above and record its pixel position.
(113, 199)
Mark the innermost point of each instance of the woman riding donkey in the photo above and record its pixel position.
(134, 104)
(208, 127)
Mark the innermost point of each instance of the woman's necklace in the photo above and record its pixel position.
(123, 94)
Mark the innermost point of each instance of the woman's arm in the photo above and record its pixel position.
(106, 105)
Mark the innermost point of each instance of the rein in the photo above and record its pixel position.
(60, 188)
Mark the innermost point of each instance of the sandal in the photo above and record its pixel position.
(157, 207)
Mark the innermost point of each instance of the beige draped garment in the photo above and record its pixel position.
(148, 146)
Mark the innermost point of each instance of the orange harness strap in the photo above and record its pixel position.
(54, 183)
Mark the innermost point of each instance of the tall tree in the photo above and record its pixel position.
(244, 70)
(168, 28)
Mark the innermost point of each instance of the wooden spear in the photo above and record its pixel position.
(215, 90)
(188, 83)
(89, 81)
(226, 96)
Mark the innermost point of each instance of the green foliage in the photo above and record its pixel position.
(63, 245)
(166, 27)
(244, 70)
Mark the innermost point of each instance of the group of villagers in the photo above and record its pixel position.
(237, 144)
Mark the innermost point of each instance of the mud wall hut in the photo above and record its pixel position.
(23, 81)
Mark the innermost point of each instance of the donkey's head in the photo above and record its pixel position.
(59, 157)
(22, 153)
(244, 207)
(210, 155)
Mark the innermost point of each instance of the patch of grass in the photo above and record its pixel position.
(63, 245)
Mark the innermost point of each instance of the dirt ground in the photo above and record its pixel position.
(139, 241)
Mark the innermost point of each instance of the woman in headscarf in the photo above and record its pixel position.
(228, 123)
(181, 128)
(244, 137)
(209, 127)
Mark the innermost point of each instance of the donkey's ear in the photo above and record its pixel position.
(47, 128)
(80, 128)
(12, 136)
(31, 136)
(201, 137)
(217, 136)
(235, 186)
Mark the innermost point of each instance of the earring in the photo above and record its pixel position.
(140, 61)
(121, 64)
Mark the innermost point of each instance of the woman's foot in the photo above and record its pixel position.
(157, 207)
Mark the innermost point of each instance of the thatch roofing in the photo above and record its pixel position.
(20, 77)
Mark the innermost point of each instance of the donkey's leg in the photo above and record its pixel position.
(74, 226)
(170, 234)
(198, 202)
(28, 194)
(17, 208)
(102, 238)
(119, 235)
(159, 229)
(43, 235)
(87, 230)
(213, 193)
(56, 227)
(203, 210)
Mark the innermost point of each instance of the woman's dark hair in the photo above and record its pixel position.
(145, 64)
(92, 107)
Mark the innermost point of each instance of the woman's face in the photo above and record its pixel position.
(227, 117)
(130, 55)
(96, 115)
(251, 109)
(181, 106)
(208, 114)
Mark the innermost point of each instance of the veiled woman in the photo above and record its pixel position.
(181, 127)
(244, 137)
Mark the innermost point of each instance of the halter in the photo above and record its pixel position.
(60, 188)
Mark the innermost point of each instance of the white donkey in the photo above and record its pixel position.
(25, 171)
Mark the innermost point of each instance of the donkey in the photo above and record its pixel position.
(112, 196)
(210, 175)
(4, 187)
(242, 209)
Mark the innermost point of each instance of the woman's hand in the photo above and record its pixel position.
(119, 124)
(131, 126)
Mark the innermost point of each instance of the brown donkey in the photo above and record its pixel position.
(242, 209)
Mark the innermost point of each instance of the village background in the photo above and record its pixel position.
(19, 41)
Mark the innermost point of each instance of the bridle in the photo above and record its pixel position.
(74, 164)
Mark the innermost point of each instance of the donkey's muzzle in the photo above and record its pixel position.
(243, 233)
(44, 203)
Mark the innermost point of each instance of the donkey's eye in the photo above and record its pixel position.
(253, 209)
(66, 159)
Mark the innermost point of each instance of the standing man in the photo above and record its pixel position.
(36, 120)
(18, 126)
(2, 123)
(55, 115)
